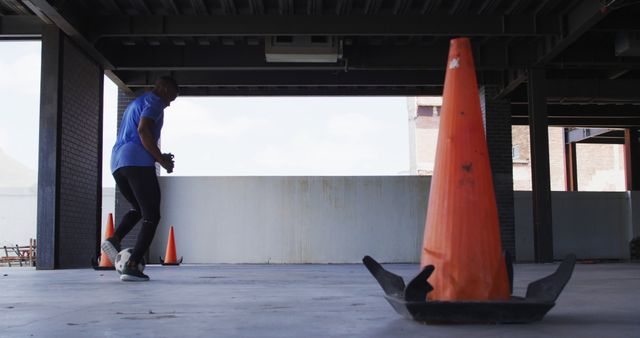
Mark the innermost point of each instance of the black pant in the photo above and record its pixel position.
(139, 185)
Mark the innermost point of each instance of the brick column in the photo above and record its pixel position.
(497, 120)
(70, 155)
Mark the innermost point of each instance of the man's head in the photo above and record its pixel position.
(166, 88)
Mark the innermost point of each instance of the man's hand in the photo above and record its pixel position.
(145, 131)
(167, 162)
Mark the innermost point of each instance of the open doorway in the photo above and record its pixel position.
(19, 127)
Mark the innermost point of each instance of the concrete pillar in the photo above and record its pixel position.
(497, 120)
(70, 155)
(540, 174)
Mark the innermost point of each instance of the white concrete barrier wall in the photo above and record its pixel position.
(293, 219)
(17, 216)
(589, 224)
(18, 210)
(341, 219)
(634, 206)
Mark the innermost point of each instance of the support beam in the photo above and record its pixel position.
(311, 91)
(594, 88)
(513, 80)
(583, 122)
(199, 7)
(632, 158)
(568, 61)
(585, 111)
(570, 163)
(492, 56)
(70, 154)
(20, 26)
(586, 90)
(338, 25)
(69, 26)
(575, 135)
(289, 78)
(606, 139)
(540, 176)
(577, 22)
(49, 149)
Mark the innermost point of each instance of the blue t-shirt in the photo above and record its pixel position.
(128, 150)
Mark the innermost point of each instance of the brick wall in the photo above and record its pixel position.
(522, 164)
(600, 166)
(497, 118)
(80, 179)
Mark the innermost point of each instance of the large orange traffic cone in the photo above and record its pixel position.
(170, 257)
(462, 235)
(103, 261)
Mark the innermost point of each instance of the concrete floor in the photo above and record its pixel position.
(601, 300)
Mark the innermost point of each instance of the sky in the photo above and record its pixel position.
(229, 136)
(19, 98)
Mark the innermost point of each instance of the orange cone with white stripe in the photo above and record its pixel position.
(462, 235)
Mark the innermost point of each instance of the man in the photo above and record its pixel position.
(133, 161)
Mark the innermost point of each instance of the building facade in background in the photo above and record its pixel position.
(600, 166)
(424, 119)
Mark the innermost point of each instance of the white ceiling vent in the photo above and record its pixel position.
(302, 49)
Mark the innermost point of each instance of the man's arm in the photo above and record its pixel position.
(145, 131)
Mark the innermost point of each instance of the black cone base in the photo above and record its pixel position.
(410, 301)
(171, 264)
(96, 265)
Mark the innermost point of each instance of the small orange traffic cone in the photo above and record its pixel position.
(103, 261)
(462, 235)
(170, 257)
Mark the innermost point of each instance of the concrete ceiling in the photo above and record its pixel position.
(387, 47)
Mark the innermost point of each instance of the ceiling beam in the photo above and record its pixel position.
(620, 22)
(578, 21)
(585, 123)
(245, 57)
(602, 90)
(582, 134)
(20, 26)
(253, 25)
(199, 7)
(595, 52)
(290, 78)
(584, 16)
(514, 79)
(141, 7)
(170, 6)
(620, 89)
(311, 91)
(69, 26)
(593, 111)
(604, 140)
